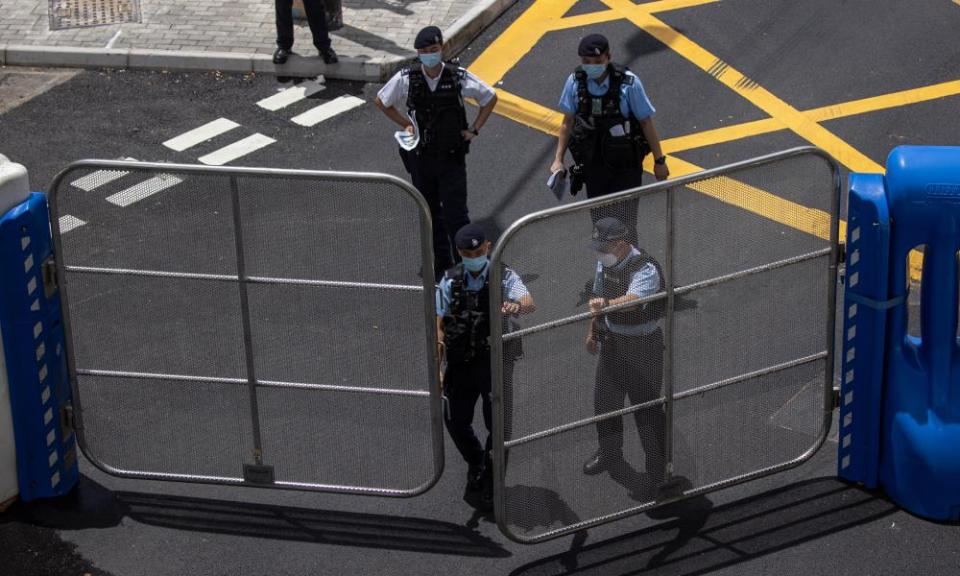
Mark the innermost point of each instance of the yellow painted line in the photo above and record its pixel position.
(517, 40)
(886, 101)
(822, 114)
(610, 15)
(721, 135)
(745, 87)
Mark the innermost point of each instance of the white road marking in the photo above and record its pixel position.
(99, 178)
(328, 110)
(201, 134)
(287, 97)
(143, 190)
(237, 149)
(68, 223)
(113, 40)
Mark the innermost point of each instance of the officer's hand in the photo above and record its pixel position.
(661, 171)
(591, 343)
(596, 305)
(467, 135)
(557, 166)
(510, 308)
(410, 129)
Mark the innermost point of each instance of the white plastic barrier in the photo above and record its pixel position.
(14, 189)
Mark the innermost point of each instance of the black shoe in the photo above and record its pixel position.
(475, 477)
(329, 56)
(280, 55)
(599, 463)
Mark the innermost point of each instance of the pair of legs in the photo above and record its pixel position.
(601, 180)
(315, 17)
(631, 367)
(442, 180)
(464, 384)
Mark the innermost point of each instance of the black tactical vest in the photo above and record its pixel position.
(591, 141)
(440, 113)
(615, 283)
(466, 325)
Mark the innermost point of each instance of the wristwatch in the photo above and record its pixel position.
(661, 160)
(473, 130)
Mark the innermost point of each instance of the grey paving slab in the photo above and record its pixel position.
(239, 35)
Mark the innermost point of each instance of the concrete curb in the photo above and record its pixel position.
(471, 24)
(377, 69)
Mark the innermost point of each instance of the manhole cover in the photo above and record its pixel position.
(81, 13)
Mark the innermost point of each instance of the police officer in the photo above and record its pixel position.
(463, 329)
(630, 343)
(317, 19)
(608, 128)
(432, 93)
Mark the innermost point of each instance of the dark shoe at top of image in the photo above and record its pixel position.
(281, 55)
(329, 56)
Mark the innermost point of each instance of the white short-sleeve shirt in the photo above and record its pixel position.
(394, 92)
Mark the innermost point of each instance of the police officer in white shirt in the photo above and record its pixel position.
(432, 93)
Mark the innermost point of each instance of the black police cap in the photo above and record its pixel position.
(593, 45)
(428, 37)
(469, 237)
(607, 230)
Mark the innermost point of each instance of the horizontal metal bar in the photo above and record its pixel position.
(234, 278)
(159, 376)
(333, 283)
(663, 295)
(755, 270)
(751, 375)
(343, 489)
(637, 407)
(259, 383)
(582, 316)
(337, 388)
(150, 273)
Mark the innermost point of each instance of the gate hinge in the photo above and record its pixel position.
(49, 273)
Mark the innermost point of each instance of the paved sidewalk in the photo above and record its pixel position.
(238, 35)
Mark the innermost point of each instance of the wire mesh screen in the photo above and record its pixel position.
(250, 327)
(633, 392)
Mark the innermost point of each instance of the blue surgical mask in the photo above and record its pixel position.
(594, 71)
(431, 59)
(475, 264)
(608, 260)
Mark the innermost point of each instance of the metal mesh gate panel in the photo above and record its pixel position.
(729, 382)
(246, 326)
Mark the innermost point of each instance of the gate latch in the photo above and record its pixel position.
(49, 274)
(258, 473)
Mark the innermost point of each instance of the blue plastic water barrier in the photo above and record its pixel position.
(920, 459)
(36, 357)
(864, 329)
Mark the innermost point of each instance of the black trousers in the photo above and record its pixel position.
(463, 384)
(442, 180)
(632, 367)
(315, 17)
(601, 180)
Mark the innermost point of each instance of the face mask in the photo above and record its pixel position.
(475, 264)
(608, 260)
(431, 59)
(594, 71)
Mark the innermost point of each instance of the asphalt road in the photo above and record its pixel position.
(799, 522)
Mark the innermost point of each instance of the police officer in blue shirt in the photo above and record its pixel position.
(630, 343)
(608, 128)
(463, 329)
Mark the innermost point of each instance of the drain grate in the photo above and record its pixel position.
(82, 13)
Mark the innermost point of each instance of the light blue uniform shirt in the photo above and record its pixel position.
(513, 287)
(632, 97)
(645, 282)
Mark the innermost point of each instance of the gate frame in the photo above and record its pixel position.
(496, 340)
(241, 280)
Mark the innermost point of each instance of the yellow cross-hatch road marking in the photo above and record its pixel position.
(744, 86)
(611, 15)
